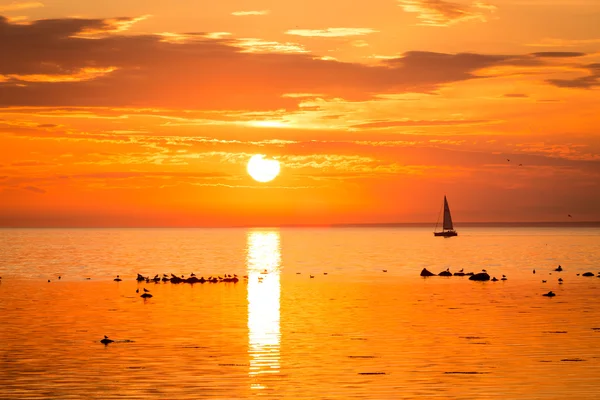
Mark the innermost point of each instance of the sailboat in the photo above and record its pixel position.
(447, 226)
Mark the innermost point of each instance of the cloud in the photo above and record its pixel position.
(515, 95)
(558, 54)
(31, 164)
(555, 42)
(446, 13)
(388, 124)
(253, 45)
(139, 70)
(331, 32)
(583, 82)
(34, 189)
(20, 6)
(246, 13)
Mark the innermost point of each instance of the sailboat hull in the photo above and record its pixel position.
(446, 233)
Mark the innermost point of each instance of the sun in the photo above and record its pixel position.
(261, 169)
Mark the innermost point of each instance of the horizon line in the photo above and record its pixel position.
(490, 224)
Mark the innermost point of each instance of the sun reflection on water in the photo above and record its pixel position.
(263, 262)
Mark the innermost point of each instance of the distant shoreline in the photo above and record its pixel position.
(458, 225)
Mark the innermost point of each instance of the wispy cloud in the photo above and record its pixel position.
(389, 124)
(34, 189)
(84, 74)
(331, 32)
(445, 13)
(555, 42)
(583, 82)
(20, 6)
(247, 13)
(255, 45)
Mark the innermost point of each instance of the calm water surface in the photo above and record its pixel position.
(357, 332)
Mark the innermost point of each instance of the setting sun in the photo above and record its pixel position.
(262, 170)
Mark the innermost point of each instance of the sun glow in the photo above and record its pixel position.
(261, 169)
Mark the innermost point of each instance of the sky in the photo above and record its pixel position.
(146, 112)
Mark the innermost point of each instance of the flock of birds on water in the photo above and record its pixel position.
(227, 278)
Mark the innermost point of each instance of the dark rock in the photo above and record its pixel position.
(550, 294)
(588, 274)
(445, 273)
(426, 272)
(482, 276)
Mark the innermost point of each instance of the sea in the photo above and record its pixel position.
(316, 313)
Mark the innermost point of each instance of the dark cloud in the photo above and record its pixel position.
(147, 71)
(557, 54)
(34, 189)
(583, 82)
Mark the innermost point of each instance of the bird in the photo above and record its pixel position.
(385, 270)
(569, 215)
(106, 340)
(312, 276)
(543, 281)
(324, 273)
(508, 159)
(503, 277)
(146, 290)
(534, 271)
(137, 290)
(59, 277)
(117, 279)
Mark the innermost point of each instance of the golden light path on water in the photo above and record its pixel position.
(263, 262)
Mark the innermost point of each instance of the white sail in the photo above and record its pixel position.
(447, 217)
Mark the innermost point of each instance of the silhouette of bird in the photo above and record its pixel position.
(146, 290)
(312, 276)
(106, 340)
(117, 279)
(385, 270)
(508, 159)
(569, 215)
(137, 290)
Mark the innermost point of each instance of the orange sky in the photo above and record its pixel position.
(145, 112)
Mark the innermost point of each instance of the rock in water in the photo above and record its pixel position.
(426, 272)
(482, 276)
